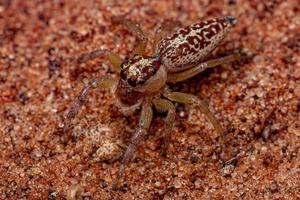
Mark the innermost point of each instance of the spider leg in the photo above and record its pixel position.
(191, 99)
(104, 82)
(163, 105)
(113, 58)
(140, 132)
(135, 28)
(194, 70)
(163, 30)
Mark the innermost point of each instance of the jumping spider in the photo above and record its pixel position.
(143, 79)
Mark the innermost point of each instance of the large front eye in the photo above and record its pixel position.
(123, 74)
(131, 82)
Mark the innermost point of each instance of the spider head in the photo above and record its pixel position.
(141, 75)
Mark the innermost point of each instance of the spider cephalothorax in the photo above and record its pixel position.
(142, 72)
(138, 69)
(140, 75)
(143, 79)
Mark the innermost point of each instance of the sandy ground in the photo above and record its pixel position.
(257, 100)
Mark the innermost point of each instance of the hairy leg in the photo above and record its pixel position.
(113, 58)
(140, 132)
(133, 27)
(191, 99)
(102, 82)
(163, 30)
(163, 105)
(181, 76)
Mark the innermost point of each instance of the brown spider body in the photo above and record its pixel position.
(142, 74)
(143, 79)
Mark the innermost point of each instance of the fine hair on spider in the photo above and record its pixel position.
(179, 55)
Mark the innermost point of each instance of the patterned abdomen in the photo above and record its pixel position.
(193, 43)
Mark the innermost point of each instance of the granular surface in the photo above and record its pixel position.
(257, 100)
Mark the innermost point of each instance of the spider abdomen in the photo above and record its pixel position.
(193, 43)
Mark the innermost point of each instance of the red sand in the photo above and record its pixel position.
(257, 100)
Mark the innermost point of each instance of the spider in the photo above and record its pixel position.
(143, 80)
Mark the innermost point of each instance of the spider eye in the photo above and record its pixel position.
(141, 82)
(131, 82)
(123, 75)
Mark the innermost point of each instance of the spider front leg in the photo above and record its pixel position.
(140, 47)
(163, 105)
(140, 132)
(191, 99)
(113, 58)
(181, 76)
(102, 82)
